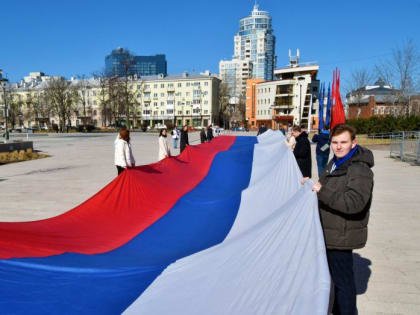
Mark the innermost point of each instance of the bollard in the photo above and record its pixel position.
(418, 148)
(402, 146)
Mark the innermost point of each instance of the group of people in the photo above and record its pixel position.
(206, 136)
(124, 157)
(344, 191)
(297, 139)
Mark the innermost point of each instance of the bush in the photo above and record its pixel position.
(385, 124)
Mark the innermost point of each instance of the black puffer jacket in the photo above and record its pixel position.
(184, 140)
(302, 152)
(344, 201)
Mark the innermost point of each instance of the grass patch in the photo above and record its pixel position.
(20, 156)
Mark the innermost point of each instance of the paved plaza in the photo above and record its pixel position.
(387, 269)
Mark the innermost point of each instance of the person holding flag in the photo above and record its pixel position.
(344, 199)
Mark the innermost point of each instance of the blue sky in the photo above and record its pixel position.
(72, 37)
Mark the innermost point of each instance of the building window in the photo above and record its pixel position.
(162, 94)
(188, 84)
(170, 111)
(206, 83)
(155, 103)
(162, 103)
(206, 111)
(179, 84)
(162, 85)
(155, 86)
(180, 112)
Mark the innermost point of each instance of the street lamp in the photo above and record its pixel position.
(300, 79)
(3, 82)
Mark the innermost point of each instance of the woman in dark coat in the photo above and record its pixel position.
(302, 151)
(184, 138)
(203, 137)
(210, 133)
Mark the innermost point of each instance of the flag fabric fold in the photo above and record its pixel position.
(225, 228)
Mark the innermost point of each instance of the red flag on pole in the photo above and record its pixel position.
(337, 112)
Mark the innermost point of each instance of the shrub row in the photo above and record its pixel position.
(385, 124)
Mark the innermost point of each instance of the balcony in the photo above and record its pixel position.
(282, 117)
(170, 88)
(282, 106)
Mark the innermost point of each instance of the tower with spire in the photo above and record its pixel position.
(254, 52)
(256, 41)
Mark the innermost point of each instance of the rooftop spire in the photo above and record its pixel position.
(255, 6)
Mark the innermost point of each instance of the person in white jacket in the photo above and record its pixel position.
(123, 154)
(164, 151)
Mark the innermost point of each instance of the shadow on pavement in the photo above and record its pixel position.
(362, 272)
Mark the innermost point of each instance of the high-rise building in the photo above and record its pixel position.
(121, 62)
(255, 41)
(235, 73)
(254, 55)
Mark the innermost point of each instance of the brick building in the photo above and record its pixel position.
(375, 100)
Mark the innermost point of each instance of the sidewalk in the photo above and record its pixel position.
(387, 269)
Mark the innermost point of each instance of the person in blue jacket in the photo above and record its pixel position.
(322, 141)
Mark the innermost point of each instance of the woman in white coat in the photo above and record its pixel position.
(123, 154)
(164, 151)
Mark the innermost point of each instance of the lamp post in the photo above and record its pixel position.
(300, 79)
(3, 82)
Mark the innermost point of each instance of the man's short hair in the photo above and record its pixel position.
(296, 128)
(341, 128)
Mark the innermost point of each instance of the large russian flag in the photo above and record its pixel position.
(224, 228)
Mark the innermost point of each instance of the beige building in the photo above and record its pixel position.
(185, 99)
(290, 98)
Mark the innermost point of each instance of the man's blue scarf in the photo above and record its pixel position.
(338, 162)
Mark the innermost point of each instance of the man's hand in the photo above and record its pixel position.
(304, 180)
(317, 187)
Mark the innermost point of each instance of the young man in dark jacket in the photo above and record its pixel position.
(302, 151)
(322, 141)
(344, 196)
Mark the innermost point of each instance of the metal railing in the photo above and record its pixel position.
(405, 145)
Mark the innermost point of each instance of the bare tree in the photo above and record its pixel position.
(402, 72)
(103, 97)
(83, 88)
(15, 107)
(128, 95)
(63, 97)
(355, 86)
(224, 109)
